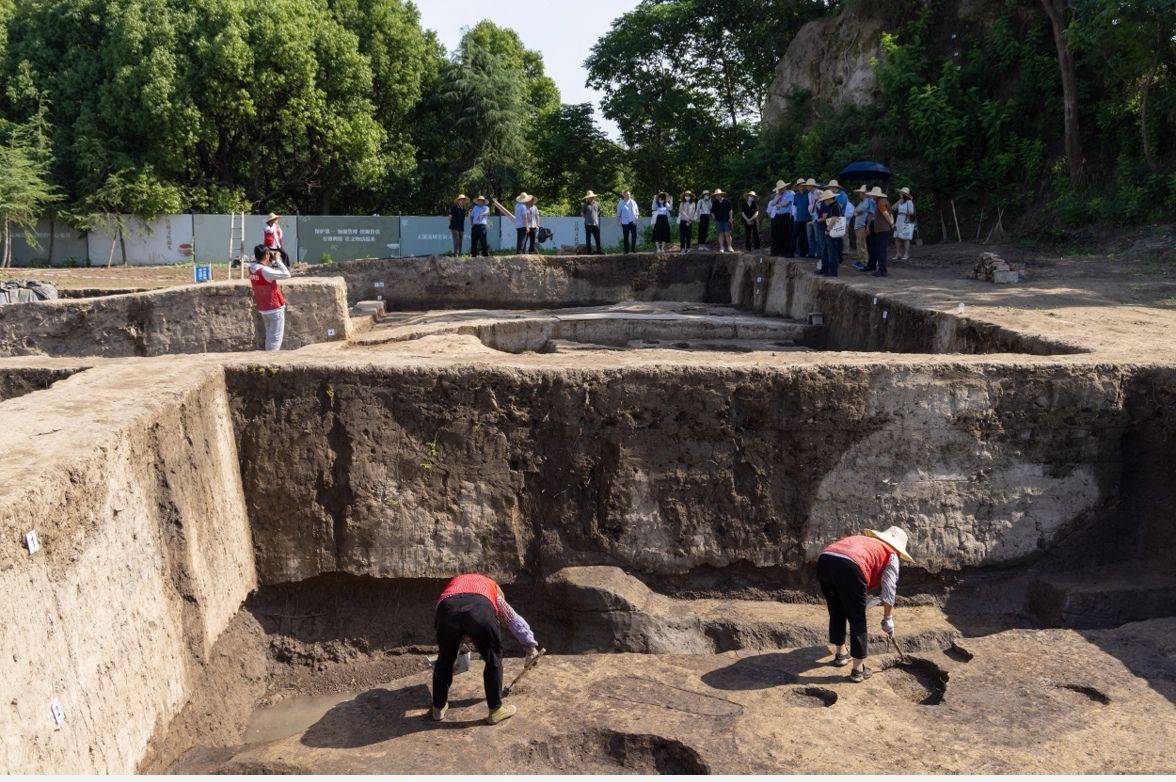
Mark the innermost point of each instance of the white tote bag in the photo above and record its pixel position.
(836, 227)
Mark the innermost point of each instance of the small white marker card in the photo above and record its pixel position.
(330, 332)
(885, 313)
(31, 542)
(378, 284)
(57, 711)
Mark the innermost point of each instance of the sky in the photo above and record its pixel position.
(563, 31)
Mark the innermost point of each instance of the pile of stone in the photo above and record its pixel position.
(993, 268)
(21, 291)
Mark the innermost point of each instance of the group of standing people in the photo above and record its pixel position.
(806, 219)
(813, 221)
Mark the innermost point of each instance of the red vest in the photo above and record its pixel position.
(870, 555)
(472, 584)
(266, 293)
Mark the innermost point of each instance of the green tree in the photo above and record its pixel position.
(25, 192)
(574, 155)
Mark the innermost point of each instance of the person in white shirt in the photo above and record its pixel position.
(273, 236)
(521, 210)
(532, 223)
(264, 274)
(627, 214)
(704, 219)
(479, 217)
(687, 213)
(661, 221)
(904, 227)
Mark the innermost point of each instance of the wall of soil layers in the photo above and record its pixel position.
(440, 281)
(210, 318)
(424, 472)
(854, 318)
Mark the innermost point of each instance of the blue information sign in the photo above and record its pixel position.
(202, 273)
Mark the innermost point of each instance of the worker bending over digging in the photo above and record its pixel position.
(472, 605)
(267, 296)
(847, 569)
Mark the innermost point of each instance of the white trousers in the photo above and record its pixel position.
(275, 327)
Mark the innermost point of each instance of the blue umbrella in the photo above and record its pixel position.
(864, 169)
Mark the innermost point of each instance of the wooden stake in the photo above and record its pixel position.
(942, 227)
(959, 238)
(980, 224)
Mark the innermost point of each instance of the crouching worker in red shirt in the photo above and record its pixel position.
(267, 296)
(472, 606)
(847, 570)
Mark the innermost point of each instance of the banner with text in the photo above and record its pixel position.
(347, 238)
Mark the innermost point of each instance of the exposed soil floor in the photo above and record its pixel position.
(1029, 701)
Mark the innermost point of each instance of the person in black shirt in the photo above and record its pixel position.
(751, 215)
(457, 217)
(721, 209)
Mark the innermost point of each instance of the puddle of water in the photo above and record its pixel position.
(291, 716)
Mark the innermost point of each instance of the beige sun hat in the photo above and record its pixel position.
(862, 190)
(589, 194)
(799, 181)
(271, 217)
(876, 193)
(905, 190)
(532, 199)
(895, 537)
(706, 192)
(462, 197)
(480, 199)
(523, 198)
(811, 183)
(719, 191)
(827, 195)
(751, 193)
(781, 184)
(833, 183)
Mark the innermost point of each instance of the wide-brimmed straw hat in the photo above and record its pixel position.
(522, 198)
(833, 183)
(751, 193)
(480, 199)
(589, 194)
(532, 199)
(719, 191)
(876, 192)
(271, 217)
(781, 184)
(826, 195)
(687, 193)
(904, 191)
(895, 537)
(799, 182)
(462, 197)
(810, 183)
(863, 190)
(706, 192)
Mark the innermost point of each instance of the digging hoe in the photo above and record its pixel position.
(901, 654)
(527, 666)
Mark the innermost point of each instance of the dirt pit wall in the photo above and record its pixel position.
(21, 380)
(530, 281)
(420, 473)
(860, 320)
(145, 557)
(214, 317)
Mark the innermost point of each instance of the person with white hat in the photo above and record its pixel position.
(802, 208)
(878, 228)
(457, 218)
(479, 217)
(521, 215)
(861, 214)
(750, 214)
(904, 227)
(833, 227)
(723, 209)
(847, 570)
(590, 211)
(273, 236)
(779, 213)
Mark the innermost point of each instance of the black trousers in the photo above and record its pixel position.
(520, 239)
(532, 233)
(467, 616)
(591, 231)
(844, 588)
(683, 235)
(478, 240)
(630, 235)
(703, 228)
(779, 234)
(799, 242)
(751, 237)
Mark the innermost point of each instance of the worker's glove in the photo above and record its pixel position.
(888, 625)
(532, 652)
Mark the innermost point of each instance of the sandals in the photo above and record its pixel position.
(860, 675)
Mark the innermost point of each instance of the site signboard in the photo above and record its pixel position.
(330, 238)
(67, 245)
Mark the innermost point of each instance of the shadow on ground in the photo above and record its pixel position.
(378, 715)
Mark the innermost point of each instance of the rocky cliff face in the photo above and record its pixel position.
(832, 60)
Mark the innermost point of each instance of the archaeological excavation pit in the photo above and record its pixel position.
(648, 454)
